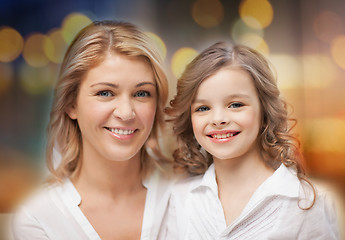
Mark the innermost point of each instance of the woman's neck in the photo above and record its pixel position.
(116, 178)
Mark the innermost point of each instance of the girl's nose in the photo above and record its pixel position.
(219, 118)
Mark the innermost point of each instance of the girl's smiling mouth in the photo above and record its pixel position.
(222, 136)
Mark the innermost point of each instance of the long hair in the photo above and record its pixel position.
(88, 49)
(277, 143)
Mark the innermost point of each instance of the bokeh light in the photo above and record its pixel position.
(72, 24)
(332, 131)
(338, 51)
(55, 48)
(327, 26)
(36, 81)
(318, 71)
(33, 52)
(159, 43)
(11, 44)
(256, 42)
(288, 69)
(6, 76)
(181, 59)
(239, 29)
(256, 13)
(208, 13)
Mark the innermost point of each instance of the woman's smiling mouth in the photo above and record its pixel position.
(122, 133)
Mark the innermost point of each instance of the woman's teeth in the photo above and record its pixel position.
(121, 131)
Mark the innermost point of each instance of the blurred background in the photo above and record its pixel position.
(304, 40)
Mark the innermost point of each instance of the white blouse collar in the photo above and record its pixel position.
(283, 182)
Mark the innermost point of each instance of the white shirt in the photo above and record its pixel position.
(196, 213)
(55, 214)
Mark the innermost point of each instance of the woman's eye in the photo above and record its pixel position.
(104, 94)
(235, 105)
(202, 109)
(142, 94)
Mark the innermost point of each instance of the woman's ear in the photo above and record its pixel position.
(72, 112)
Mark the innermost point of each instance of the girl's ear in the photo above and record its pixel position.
(72, 112)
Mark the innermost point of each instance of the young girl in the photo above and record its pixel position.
(233, 135)
(106, 114)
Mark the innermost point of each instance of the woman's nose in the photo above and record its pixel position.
(124, 109)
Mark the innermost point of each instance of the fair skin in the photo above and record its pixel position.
(226, 123)
(115, 110)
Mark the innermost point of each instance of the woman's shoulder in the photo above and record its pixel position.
(40, 197)
(184, 183)
(51, 213)
(34, 211)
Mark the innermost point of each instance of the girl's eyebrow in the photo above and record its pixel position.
(117, 86)
(231, 96)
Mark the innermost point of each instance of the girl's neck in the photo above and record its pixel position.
(237, 181)
(238, 172)
(114, 178)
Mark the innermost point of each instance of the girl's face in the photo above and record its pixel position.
(115, 108)
(226, 114)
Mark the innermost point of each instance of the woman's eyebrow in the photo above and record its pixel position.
(117, 86)
(145, 83)
(105, 84)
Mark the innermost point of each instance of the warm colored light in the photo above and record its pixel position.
(332, 131)
(36, 81)
(159, 43)
(327, 26)
(33, 52)
(6, 76)
(318, 71)
(338, 51)
(256, 42)
(180, 60)
(72, 24)
(288, 70)
(11, 44)
(239, 29)
(208, 13)
(55, 48)
(256, 11)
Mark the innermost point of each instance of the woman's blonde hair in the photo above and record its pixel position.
(277, 143)
(88, 49)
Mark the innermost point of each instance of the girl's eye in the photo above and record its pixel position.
(104, 94)
(202, 109)
(235, 105)
(142, 94)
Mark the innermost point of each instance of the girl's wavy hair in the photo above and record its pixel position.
(277, 143)
(88, 49)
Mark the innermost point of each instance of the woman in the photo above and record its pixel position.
(108, 108)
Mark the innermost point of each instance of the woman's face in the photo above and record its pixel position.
(116, 107)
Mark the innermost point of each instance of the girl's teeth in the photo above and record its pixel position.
(220, 136)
